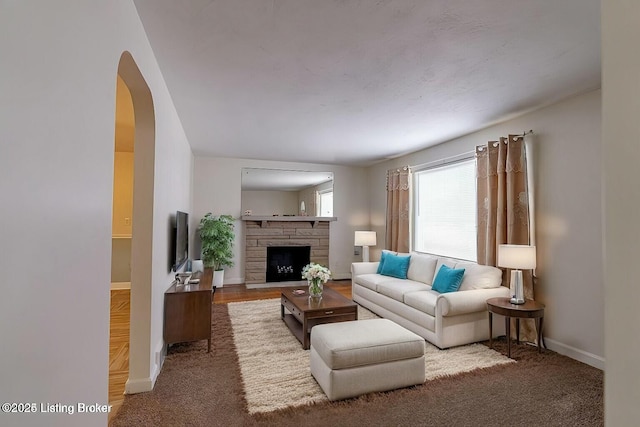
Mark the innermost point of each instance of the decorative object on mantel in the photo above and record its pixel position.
(247, 212)
(316, 275)
(216, 234)
(365, 239)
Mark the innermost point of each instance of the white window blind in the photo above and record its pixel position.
(445, 210)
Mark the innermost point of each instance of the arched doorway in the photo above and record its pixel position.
(121, 229)
(140, 223)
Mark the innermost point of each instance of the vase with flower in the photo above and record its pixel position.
(316, 275)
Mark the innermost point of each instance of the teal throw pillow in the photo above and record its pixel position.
(382, 258)
(395, 266)
(447, 279)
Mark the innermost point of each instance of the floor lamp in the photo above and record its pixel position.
(517, 257)
(365, 239)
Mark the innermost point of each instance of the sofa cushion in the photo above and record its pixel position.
(371, 281)
(449, 262)
(479, 276)
(396, 288)
(447, 279)
(422, 268)
(395, 266)
(424, 301)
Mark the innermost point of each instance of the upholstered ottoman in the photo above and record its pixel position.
(353, 358)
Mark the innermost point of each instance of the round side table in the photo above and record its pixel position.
(529, 310)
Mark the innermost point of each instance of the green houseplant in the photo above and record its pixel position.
(216, 235)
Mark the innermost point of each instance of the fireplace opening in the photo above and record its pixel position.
(285, 263)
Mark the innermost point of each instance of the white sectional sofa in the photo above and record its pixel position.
(444, 319)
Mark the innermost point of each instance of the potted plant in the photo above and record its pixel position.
(216, 235)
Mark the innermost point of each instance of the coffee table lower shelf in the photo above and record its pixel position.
(294, 326)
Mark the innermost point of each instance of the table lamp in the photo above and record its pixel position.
(518, 258)
(365, 239)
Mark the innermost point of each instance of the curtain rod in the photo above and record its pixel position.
(522, 135)
(454, 159)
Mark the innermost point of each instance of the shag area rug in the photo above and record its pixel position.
(275, 369)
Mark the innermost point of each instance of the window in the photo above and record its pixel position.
(325, 207)
(445, 210)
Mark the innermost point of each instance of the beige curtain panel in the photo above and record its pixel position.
(397, 235)
(503, 207)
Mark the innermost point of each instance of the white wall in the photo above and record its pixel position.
(566, 144)
(120, 260)
(58, 81)
(621, 157)
(122, 193)
(122, 209)
(217, 188)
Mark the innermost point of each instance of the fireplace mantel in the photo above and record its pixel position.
(313, 220)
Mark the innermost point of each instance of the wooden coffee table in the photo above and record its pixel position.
(303, 313)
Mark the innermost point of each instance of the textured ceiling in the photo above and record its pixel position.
(354, 82)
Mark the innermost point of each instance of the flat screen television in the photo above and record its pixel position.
(181, 240)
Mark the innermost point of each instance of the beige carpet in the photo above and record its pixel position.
(275, 369)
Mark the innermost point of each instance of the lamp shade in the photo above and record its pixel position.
(365, 238)
(522, 257)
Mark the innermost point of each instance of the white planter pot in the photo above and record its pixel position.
(218, 278)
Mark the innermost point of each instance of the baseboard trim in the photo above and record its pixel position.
(575, 353)
(140, 385)
(154, 375)
(161, 351)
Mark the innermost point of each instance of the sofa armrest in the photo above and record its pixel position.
(471, 301)
(358, 268)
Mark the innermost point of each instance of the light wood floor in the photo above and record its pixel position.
(235, 293)
(119, 328)
(118, 347)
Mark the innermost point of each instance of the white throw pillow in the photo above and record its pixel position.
(478, 276)
(422, 267)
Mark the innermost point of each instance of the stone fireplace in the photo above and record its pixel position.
(262, 233)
